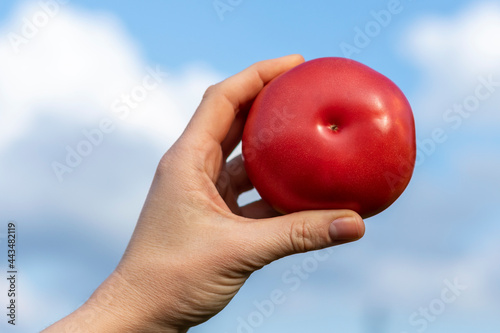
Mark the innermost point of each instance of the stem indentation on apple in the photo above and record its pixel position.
(333, 127)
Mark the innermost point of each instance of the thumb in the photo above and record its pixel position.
(305, 231)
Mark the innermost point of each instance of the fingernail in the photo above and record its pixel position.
(344, 229)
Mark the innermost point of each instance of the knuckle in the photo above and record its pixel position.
(164, 165)
(210, 90)
(167, 162)
(172, 162)
(302, 236)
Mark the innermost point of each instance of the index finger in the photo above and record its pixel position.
(222, 102)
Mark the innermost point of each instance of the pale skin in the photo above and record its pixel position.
(194, 246)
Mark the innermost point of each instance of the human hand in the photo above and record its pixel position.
(194, 246)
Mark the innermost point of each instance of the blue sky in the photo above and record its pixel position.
(65, 79)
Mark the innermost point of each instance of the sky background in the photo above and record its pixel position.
(61, 77)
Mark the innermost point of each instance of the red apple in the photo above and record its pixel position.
(330, 133)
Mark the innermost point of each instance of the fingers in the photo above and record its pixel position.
(235, 133)
(234, 181)
(235, 175)
(221, 102)
(304, 231)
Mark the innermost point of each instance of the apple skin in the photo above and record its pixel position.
(330, 133)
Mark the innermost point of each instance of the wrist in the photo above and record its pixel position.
(123, 308)
(113, 307)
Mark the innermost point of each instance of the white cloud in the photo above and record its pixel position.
(453, 53)
(467, 41)
(66, 79)
(76, 66)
